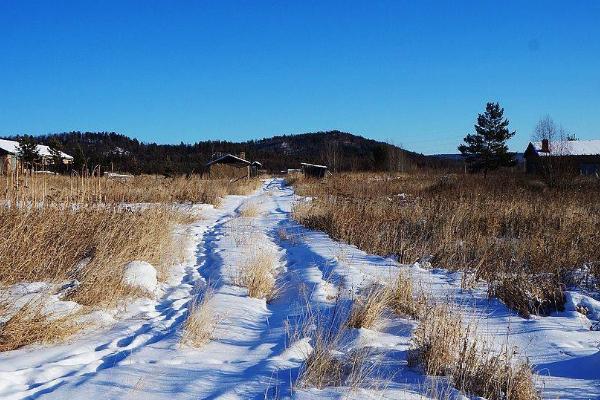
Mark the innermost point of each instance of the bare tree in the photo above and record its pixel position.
(555, 148)
(555, 135)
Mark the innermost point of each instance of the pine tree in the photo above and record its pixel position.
(486, 149)
(56, 154)
(28, 152)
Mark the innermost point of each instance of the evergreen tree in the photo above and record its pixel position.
(55, 152)
(486, 149)
(28, 152)
(80, 161)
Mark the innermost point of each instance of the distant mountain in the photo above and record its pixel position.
(341, 151)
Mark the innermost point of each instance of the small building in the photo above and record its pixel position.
(314, 170)
(255, 169)
(568, 156)
(232, 167)
(9, 156)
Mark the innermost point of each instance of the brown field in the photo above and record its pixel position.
(137, 189)
(509, 230)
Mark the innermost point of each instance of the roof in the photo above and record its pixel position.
(569, 148)
(229, 159)
(256, 163)
(12, 147)
(313, 165)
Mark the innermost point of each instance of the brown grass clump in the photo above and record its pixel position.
(327, 365)
(249, 210)
(258, 276)
(201, 322)
(368, 308)
(436, 341)
(402, 299)
(528, 295)
(30, 325)
(493, 376)
(322, 368)
(89, 244)
(442, 345)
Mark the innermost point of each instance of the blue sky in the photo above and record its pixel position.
(415, 73)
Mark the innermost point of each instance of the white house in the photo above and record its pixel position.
(9, 150)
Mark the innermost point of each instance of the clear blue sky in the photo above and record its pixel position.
(415, 73)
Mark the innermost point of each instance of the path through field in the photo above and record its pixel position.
(251, 356)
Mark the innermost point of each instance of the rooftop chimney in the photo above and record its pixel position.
(545, 146)
(243, 155)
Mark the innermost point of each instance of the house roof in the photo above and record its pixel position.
(12, 147)
(229, 159)
(313, 165)
(569, 148)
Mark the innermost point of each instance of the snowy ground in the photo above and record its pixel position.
(251, 355)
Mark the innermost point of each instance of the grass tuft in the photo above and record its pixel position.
(201, 322)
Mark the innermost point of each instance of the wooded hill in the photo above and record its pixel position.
(339, 150)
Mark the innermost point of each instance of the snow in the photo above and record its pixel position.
(140, 274)
(253, 354)
(12, 147)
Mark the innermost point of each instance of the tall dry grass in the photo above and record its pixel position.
(88, 244)
(36, 189)
(502, 227)
(443, 345)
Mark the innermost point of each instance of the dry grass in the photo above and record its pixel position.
(258, 275)
(250, 210)
(489, 227)
(31, 325)
(369, 307)
(443, 345)
(57, 228)
(402, 299)
(482, 373)
(527, 296)
(201, 322)
(138, 189)
(436, 341)
(328, 364)
(89, 244)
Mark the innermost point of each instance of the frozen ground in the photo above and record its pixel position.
(252, 356)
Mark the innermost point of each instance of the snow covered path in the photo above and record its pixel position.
(251, 357)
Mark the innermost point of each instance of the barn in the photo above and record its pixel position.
(314, 170)
(9, 160)
(232, 167)
(569, 156)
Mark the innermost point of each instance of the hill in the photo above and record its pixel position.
(341, 151)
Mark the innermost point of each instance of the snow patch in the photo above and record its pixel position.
(140, 274)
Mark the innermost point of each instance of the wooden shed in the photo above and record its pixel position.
(255, 168)
(229, 166)
(314, 170)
